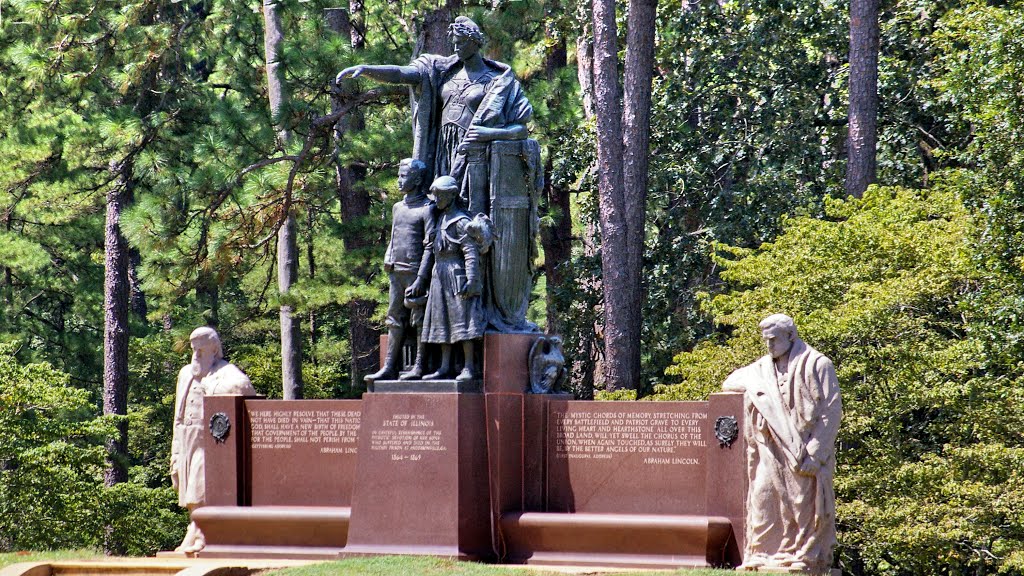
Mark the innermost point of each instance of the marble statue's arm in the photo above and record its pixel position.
(735, 382)
(826, 427)
(382, 72)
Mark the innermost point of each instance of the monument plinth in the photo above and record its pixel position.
(421, 479)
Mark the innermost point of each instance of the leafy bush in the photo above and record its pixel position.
(51, 471)
(143, 520)
(930, 454)
(51, 458)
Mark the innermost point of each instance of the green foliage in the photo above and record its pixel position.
(143, 520)
(929, 459)
(51, 471)
(617, 395)
(51, 458)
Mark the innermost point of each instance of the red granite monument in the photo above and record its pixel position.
(470, 452)
(498, 475)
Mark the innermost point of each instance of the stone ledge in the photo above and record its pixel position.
(622, 540)
(427, 386)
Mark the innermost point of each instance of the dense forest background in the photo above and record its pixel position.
(149, 153)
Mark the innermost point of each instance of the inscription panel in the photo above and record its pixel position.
(332, 431)
(408, 436)
(659, 436)
(640, 457)
(303, 451)
(422, 474)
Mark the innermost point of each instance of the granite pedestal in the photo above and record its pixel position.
(495, 474)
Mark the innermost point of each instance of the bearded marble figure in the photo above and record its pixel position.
(792, 407)
(208, 375)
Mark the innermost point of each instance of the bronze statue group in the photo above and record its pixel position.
(472, 152)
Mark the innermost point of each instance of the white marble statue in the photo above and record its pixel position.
(793, 408)
(208, 375)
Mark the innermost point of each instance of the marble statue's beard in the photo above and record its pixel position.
(198, 370)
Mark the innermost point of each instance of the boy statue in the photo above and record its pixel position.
(408, 265)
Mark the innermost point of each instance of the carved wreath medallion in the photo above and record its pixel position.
(726, 430)
(220, 427)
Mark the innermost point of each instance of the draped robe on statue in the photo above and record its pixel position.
(789, 417)
(188, 474)
(500, 178)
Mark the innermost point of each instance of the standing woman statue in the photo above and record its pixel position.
(462, 102)
(453, 313)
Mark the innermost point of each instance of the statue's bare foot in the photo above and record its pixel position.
(753, 563)
(198, 543)
(415, 374)
(189, 540)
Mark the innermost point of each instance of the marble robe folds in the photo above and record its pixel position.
(790, 516)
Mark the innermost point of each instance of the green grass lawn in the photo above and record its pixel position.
(8, 558)
(425, 566)
(370, 566)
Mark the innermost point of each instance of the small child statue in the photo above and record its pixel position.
(454, 312)
(408, 262)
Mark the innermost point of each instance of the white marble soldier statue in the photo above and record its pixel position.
(208, 375)
(792, 407)
(408, 263)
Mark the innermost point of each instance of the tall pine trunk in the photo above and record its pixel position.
(287, 241)
(861, 165)
(557, 238)
(636, 138)
(623, 138)
(116, 293)
(432, 29)
(355, 206)
(587, 354)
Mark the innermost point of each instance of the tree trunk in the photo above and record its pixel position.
(355, 206)
(291, 332)
(636, 138)
(617, 282)
(207, 291)
(137, 299)
(587, 354)
(432, 32)
(557, 238)
(357, 24)
(287, 243)
(861, 167)
(116, 293)
(311, 218)
(623, 138)
(585, 70)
